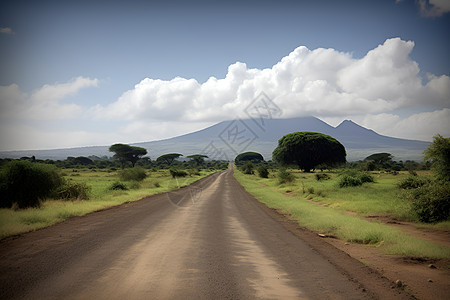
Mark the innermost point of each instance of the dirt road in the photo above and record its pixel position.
(211, 240)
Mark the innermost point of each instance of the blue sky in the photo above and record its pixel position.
(79, 73)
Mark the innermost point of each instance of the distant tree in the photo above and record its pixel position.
(308, 150)
(253, 157)
(380, 158)
(168, 158)
(438, 152)
(126, 153)
(198, 159)
(81, 160)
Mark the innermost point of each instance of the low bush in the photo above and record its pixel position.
(118, 186)
(263, 172)
(322, 176)
(194, 171)
(248, 168)
(431, 202)
(353, 178)
(348, 180)
(284, 176)
(366, 178)
(136, 174)
(24, 184)
(412, 182)
(177, 173)
(70, 191)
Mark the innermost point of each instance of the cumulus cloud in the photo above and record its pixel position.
(320, 82)
(418, 126)
(44, 103)
(325, 83)
(434, 8)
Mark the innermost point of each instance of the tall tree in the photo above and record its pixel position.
(308, 149)
(438, 152)
(126, 153)
(168, 158)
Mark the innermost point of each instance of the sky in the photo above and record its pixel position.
(84, 73)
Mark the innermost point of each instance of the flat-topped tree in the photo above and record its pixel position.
(253, 157)
(198, 159)
(308, 150)
(168, 158)
(125, 153)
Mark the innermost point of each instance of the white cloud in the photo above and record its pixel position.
(325, 83)
(6, 30)
(435, 8)
(419, 126)
(44, 103)
(321, 82)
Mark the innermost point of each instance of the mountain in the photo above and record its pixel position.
(228, 138)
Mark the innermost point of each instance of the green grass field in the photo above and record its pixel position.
(14, 222)
(332, 216)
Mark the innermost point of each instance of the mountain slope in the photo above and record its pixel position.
(228, 138)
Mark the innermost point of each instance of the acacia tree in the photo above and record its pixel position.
(253, 157)
(198, 159)
(125, 153)
(438, 152)
(308, 150)
(168, 158)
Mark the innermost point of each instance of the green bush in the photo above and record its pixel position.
(70, 191)
(177, 173)
(194, 171)
(354, 178)
(431, 202)
(348, 180)
(118, 186)
(263, 172)
(136, 173)
(248, 168)
(24, 184)
(412, 182)
(322, 176)
(366, 178)
(284, 176)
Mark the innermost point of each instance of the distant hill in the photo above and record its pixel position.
(227, 139)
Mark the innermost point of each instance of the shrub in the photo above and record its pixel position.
(263, 172)
(284, 176)
(118, 186)
(70, 191)
(177, 173)
(366, 178)
(194, 171)
(322, 176)
(348, 180)
(24, 184)
(431, 202)
(412, 182)
(247, 168)
(136, 173)
(354, 178)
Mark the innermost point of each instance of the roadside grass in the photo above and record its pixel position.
(13, 222)
(381, 198)
(331, 217)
